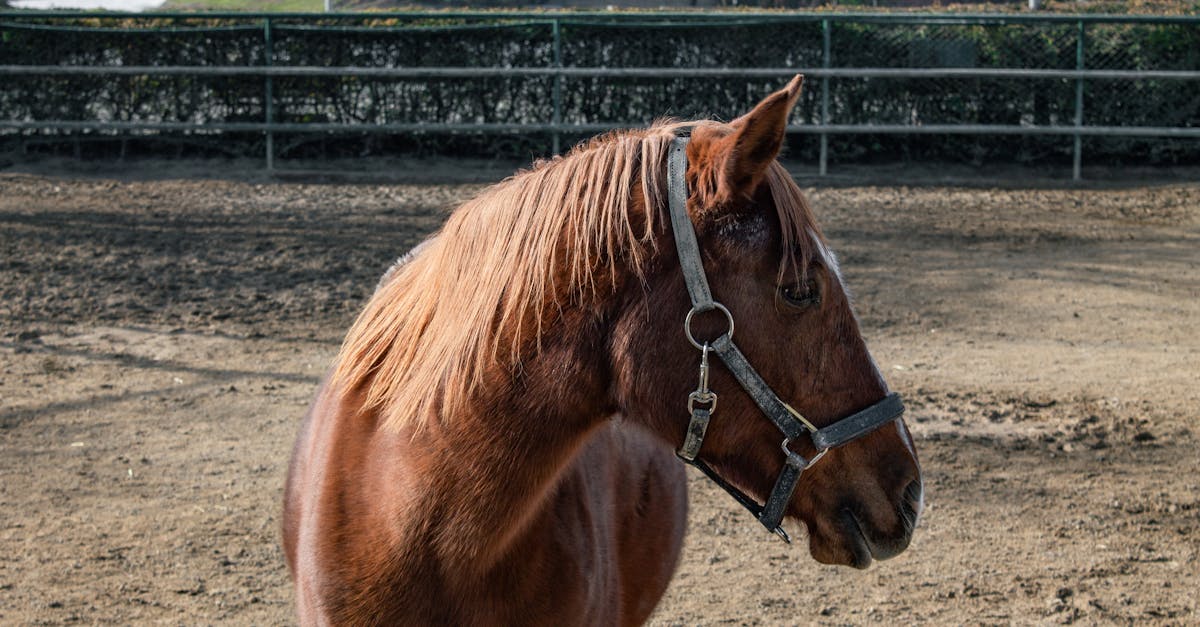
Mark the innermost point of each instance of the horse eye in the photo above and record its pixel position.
(807, 294)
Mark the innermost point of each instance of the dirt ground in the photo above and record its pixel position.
(160, 338)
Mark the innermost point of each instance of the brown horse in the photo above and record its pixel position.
(494, 444)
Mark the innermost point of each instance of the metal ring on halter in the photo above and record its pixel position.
(787, 451)
(687, 323)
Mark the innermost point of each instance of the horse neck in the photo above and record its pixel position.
(491, 466)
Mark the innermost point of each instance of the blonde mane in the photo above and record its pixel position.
(478, 292)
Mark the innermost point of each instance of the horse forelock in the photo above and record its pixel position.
(801, 239)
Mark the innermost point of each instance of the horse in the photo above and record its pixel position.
(500, 438)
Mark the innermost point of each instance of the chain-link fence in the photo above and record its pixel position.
(974, 89)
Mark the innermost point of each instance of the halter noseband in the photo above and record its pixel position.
(786, 419)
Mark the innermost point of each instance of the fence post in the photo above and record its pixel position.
(558, 80)
(825, 63)
(269, 97)
(1076, 169)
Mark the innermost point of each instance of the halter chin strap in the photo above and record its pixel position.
(703, 402)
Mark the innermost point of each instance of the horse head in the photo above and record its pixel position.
(768, 264)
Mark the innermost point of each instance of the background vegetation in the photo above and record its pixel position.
(391, 40)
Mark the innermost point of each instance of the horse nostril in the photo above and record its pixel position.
(911, 505)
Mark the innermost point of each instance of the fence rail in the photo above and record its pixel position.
(576, 72)
(272, 65)
(592, 17)
(480, 127)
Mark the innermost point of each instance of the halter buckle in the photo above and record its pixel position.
(709, 398)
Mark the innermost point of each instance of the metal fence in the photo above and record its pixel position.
(573, 74)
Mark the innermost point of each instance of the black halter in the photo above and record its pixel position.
(786, 419)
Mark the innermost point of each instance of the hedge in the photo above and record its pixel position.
(384, 41)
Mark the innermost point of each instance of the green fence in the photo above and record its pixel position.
(969, 88)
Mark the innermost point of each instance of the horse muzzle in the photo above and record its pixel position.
(852, 537)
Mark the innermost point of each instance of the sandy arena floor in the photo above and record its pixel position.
(159, 340)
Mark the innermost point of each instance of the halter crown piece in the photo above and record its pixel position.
(703, 402)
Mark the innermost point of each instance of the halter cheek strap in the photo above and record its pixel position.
(703, 402)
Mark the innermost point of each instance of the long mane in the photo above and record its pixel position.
(478, 292)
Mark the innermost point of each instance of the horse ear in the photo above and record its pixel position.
(756, 140)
